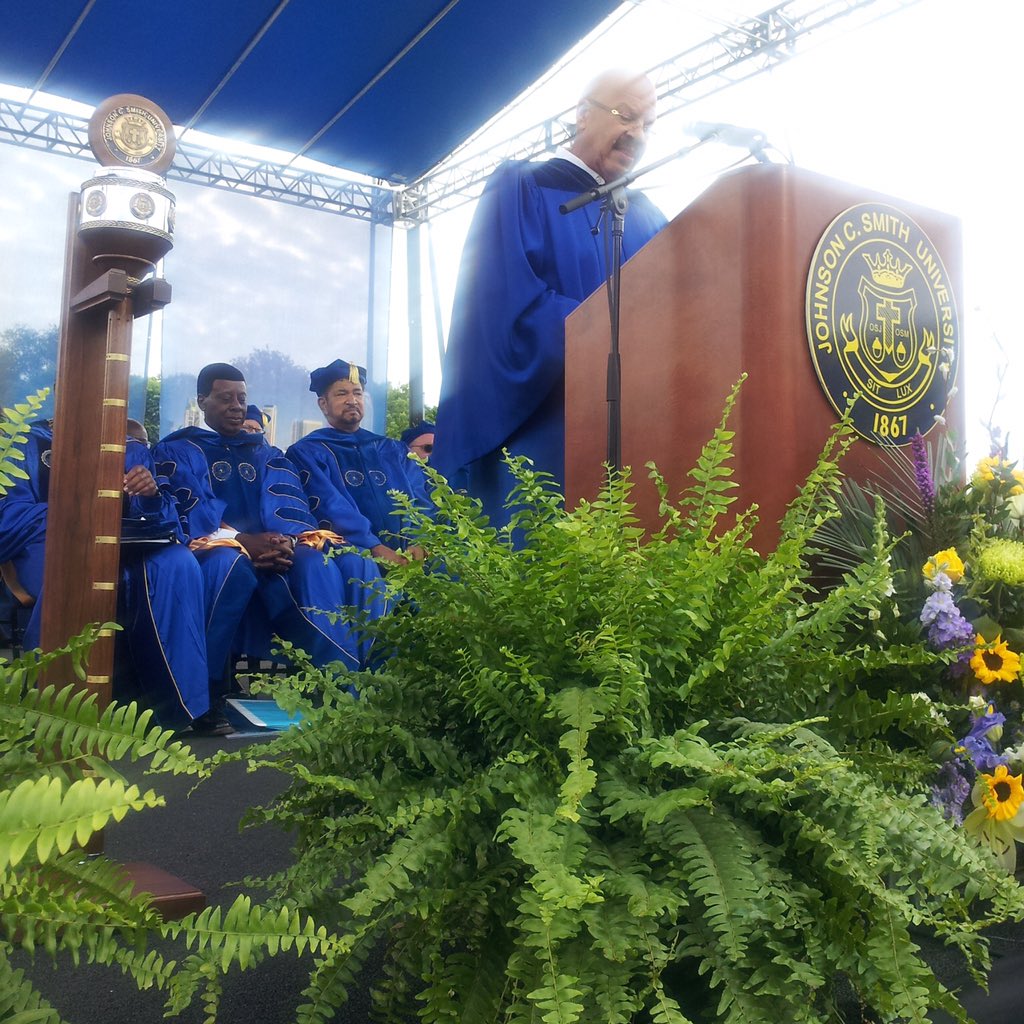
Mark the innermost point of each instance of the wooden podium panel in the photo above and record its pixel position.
(718, 293)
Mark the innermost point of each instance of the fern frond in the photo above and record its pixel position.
(234, 934)
(20, 1003)
(708, 498)
(334, 975)
(47, 815)
(71, 721)
(15, 424)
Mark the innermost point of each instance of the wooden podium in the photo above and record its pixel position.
(720, 292)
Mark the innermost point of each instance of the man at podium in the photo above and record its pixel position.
(525, 268)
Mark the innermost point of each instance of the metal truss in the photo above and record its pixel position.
(67, 134)
(731, 56)
(737, 53)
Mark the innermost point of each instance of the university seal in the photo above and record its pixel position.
(882, 323)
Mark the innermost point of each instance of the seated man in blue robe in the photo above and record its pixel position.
(419, 439)
(347, 471)
(254, 422)
(253, 534)
(160, 592)
(525, 268)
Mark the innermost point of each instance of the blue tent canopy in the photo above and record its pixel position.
(387, 88)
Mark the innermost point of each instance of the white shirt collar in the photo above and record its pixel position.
(562, 153)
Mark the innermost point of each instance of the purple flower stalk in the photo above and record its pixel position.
(923, 472)
(950, 794)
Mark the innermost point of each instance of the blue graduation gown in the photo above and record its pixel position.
(160, 596)
(525, 268)
(249, 485)
(347, 477)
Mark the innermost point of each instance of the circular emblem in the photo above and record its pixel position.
(221, 470)
(128, 130)
(354, 478)
(46, 457)
(247, 472)
(142, 206)
(95, 202)
(377, 478)
(882, 323)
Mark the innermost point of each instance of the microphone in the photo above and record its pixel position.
(730, 135)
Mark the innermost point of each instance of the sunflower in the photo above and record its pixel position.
(1003, 794)
(998, 816)
(995, 662)
(947, 562)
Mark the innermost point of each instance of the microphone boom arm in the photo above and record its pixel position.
(592, 195)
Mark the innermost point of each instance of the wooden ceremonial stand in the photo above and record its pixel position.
(115, 236)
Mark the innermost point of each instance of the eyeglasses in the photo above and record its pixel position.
(625, 119)
(428, 448)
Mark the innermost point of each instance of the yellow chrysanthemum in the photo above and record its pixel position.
(995, 662)
(948, 562)
(1003, 794)
(998, 473)
(985, 471)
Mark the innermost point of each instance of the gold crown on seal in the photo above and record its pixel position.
(887, 270)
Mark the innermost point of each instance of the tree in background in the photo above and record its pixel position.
(151, 417)
(28, 363)
(398, 410)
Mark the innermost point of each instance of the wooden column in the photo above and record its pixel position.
(87, 463)
(117, 230)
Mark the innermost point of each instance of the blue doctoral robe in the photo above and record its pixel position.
(347, 477)
(525, 268)
(248, 485)
(160, 593)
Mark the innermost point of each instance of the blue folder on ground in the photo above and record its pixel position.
(260, 715)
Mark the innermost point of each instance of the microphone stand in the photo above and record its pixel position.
(615, 203)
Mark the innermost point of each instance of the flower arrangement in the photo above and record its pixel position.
(975, 611)
(962, 589)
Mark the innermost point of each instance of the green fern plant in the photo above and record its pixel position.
(600, 779)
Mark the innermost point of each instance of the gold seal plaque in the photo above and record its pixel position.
(131, 131)
(882, 323)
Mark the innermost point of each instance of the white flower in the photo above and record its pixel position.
(923, 698)
(1015, 508)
